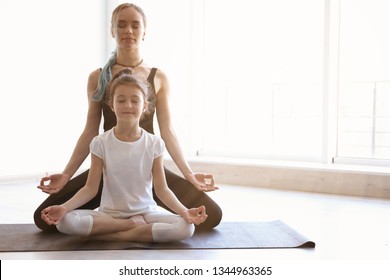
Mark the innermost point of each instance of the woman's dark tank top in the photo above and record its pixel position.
(146, 121)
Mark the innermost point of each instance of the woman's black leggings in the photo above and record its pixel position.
(184, 190)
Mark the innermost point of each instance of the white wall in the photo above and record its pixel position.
(48, 49)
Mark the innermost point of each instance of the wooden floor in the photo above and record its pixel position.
(344, 228)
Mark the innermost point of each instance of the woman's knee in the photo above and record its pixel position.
(214, 218)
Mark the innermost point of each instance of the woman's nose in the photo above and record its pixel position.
(129, 30)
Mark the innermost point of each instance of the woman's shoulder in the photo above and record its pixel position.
(93, 80)
(160, 79)
(160, 74)
(94, 75)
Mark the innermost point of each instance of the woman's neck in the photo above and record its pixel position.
(128, 58)
(127, 132)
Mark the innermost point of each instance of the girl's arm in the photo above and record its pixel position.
(54, 214)
(91, 187)
(81, 150)
(203, 182)
(193, 215)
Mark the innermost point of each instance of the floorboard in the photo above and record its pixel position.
(343, 227)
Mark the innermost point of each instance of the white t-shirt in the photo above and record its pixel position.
(127, 173)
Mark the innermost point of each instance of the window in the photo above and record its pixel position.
(263, 79)
(269, 69)
(364, 80)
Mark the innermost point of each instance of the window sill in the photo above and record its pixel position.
(339, 179)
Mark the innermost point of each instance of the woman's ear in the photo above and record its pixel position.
(112, 32)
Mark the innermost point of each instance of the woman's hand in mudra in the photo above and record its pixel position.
(203, 182)
(56, 183)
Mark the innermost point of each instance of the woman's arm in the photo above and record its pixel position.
(194, 215)
(81, 150)
(165, 124)
(203, 182)
(91, 128)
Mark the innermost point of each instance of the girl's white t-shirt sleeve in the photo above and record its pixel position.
(159, 148)
(96, 147)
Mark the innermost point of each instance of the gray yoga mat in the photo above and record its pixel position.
(228, 235)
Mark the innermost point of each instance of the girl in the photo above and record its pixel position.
(129, 158)
(128, 28)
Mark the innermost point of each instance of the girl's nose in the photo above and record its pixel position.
(127, 104)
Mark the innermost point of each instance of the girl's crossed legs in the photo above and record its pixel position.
(158, 226)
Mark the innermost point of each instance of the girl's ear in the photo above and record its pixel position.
(111, 105)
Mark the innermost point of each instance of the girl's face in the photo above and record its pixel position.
(128, 28)
(128, 103)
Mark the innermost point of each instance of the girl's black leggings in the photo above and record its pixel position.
(184, 190)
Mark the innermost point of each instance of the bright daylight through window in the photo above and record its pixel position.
(265, 84)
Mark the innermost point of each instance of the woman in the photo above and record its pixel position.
(128, 25)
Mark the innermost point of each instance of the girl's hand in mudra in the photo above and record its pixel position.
(52, 215)
(195, 215)
(203, 182)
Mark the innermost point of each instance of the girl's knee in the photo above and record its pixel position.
(170, 232)
(186, 229)
(75, 224)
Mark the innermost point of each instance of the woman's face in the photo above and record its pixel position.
(128, 28)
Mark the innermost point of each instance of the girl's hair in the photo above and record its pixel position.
(125, 77)
(106, 74)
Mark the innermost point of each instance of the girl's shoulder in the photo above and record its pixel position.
(154, 144)
(103, 137)
(152, 137)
